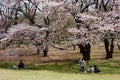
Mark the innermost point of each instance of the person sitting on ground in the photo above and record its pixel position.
(82, 69)
(96, 69)
(21, 64)
(91, 70)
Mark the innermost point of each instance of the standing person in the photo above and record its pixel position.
(21, 64)
(82, 65)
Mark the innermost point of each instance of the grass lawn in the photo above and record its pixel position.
(61, 67)
(7, 74)
(61, 71)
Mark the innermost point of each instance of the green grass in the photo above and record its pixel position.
(106, 66)
(7, 74)
(61, 71)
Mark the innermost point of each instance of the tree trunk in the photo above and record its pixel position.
(88, 47)
(109, 47)
(74, 47)
(85, 50)
(45, 51)
(81, 48)
(106, 42)
(38, 51)
(118, 46)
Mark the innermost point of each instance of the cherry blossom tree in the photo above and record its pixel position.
(85, 33)
(53, 18)
(61, 24)
(110, 28)
(109, 15)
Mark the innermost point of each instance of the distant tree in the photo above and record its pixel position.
(61, 24)
(110, 28)
(53, 19)
(86, 34)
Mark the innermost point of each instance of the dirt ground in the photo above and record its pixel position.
(54, 55)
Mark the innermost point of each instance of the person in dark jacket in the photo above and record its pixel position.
(96, 69)
(21, 64)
